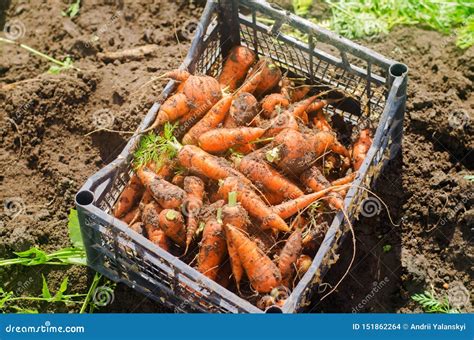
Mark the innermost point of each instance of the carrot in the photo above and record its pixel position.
(261, 271)
(251, 83)
(235, 215)
(289, 208)
(166, 194)
(272, 101)
(166, 169)
(252, 203)
(197, 91)
(178, 75)
(344, 180)
(286, 87)
(201, 163)
(213, 248)
(157, 236)
(244, 149)
(315, 180)
(315, 236)
(268, 179)
(272, 198)
(172, 223)
(129, 196)
(320, 122)
(132, 216)
(288, 257)
(150, 215)
(316, 106)
(242, 110)
(324, 141)
(236, 66)
(299, 93)
(294, 151)
(360, 148)
(220, 140)
(194, 187)
(211, 120)
(297, 109)
(178, 180)
(284, 120)
(270, 76)
(302, 264)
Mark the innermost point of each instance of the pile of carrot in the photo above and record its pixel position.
(256, 175)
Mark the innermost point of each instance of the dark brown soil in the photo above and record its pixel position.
(45, 154)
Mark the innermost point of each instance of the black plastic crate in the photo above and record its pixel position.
(377, 83)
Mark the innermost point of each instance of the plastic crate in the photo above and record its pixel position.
(377, 83)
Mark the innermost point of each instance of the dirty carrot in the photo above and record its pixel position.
(268, 179)
(213, 248)
(236, 66)
(302, 264)
(360, 148)
(320, 122)
(292, 207)
(199, 162)
(324, 141)
(220, 140)
(299, 92)
(271, 102)
(261, 271)
(252, 203)
(270, 76)
(172, 223)
(210, 120)
(131, 216)
(315, 180)
(129, 196)
(194, 188)
(288, 257)
(157, 236)
(165, 193)
(344, 180)
(242, 110)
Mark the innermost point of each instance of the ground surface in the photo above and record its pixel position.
(46, 156)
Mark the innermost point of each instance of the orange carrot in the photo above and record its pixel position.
(236, 66)
(289, 208)
(129, 196)
(235, 215)
(316, 106)
(157, 236)
(252, 203)
(344, 180)
(199, 162)
(270, 76)
(315, 180)
(194, 187)
(297, 109)
(172, 223)
(360, 148)
(320, 122)
(299, 93)
(178, 180)
(261, 271)
(132, 216)
(166, 194)
(280, 122)
(288, 257)
(220, 140)
(272, 101)
(213, 248)
(242, 110)
(268, 179)
(212, 118)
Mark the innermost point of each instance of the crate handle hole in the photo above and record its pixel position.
(398, 69)
(274, 310)
(84, 197)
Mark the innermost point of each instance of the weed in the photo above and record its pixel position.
(72, 10)
(386, 248)
(431, 304)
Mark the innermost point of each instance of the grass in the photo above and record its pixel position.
(431, 304)
(361, 18)
(73, 9)
(75, 255)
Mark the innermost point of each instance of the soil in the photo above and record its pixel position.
(46, 153)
